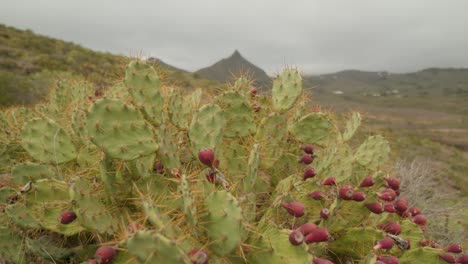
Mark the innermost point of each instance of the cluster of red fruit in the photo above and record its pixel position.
(310, 233)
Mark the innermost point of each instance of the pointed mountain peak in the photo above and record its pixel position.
(234, 66)
(236, 54)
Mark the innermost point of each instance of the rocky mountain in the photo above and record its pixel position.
(227, 69)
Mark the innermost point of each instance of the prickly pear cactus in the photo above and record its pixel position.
(144, 173)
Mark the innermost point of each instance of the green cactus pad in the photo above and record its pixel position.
(180, 109)
(47, 249)
(223, 222)
(274, 247)
(250, 180)
(206, 129)
(19, 215)
(142, 167)
(120, 130)
(144, 86)
(11, 246)
(233, 159)
(149, 247)
(91, 212)
(356, 242)
(287, 87)
(168, 147)
(22, 173)
(373, 152)
(271, 134)
(45, 141)
(411, 231)
(47, 199)
(238, 114)
(242, 85)
(351, 126)
(196, 97)
(312, 128)
(188, 207)
(342, 164)
(422, 255)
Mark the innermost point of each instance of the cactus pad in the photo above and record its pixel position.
(223, 222)
(312, 128)
(45, 141)
(149, 247)
(373, 152)
(120, 130)
(143, 84)
(286, 89)
(206, 128)
(351, 126)
(238, 114)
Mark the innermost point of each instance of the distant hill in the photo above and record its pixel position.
(29, 63)
(226, 69)
(165, 65)
(428, 82)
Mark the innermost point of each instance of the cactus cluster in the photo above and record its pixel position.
(144, 173)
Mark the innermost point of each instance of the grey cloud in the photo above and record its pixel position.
(317, 36)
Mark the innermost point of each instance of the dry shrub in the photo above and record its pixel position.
(421, 185)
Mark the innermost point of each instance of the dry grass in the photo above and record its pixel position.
(445, 210)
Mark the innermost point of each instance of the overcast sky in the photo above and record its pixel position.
(317, 36)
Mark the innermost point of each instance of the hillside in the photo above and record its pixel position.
(227, 69)
(418, 89)
(29, 63)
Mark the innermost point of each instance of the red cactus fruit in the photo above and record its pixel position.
(318, 235)
(253, 90)
(306, 159)
(388, 259)
(397, 192)
(316, 195)
(463, 259)
(455, 248)
(66, 217)
(425, 243)
(386, 243)
(401, 205)
(435, 245)
(206, 156)
(420, 220)
(367, 182)
(447, 257)
(105, 254)
(389, 208)
(329, 181)
(198, 256)
(309, 173)
(375, 207)
(393, 228)
(159, 167)
(414, 211)
(216, 163)
(322, 261)
(211, 177)
(346, 192)
(359, 196)
(296, 237)
(387, 195)
(307, 228)
(404, 214)
(393, 183)
(324, 213)
(307, 148)
(295, 209)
